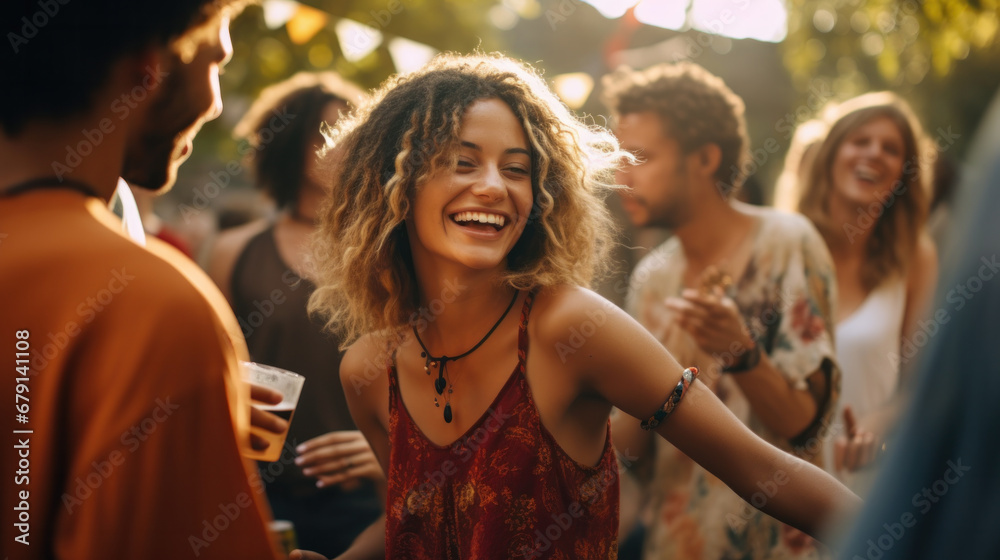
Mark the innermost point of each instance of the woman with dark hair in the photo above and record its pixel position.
(867, 192)
(453, 256)
(329, 490)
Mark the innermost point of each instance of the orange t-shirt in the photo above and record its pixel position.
(135, 413)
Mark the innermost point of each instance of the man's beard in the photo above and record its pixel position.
(677, 211)
(149, 163)
(152, 158)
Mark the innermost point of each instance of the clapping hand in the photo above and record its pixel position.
(713, 320)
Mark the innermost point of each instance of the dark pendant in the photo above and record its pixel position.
(439, 384)
(447, 413)
(423, 354)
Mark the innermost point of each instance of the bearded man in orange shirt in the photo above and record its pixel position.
(130, 416)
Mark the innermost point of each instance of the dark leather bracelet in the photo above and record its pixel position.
(750, 360)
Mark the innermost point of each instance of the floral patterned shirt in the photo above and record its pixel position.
(783, 284)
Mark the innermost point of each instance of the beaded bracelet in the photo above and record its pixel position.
(687, 377)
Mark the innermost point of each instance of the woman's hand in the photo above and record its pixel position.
(263, 419)
(857, 448)
(339, 458)
(298, 554)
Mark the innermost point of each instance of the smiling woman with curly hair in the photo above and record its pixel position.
(362, 249)
(467, 189)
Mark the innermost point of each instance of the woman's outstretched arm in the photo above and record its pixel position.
(623, 363)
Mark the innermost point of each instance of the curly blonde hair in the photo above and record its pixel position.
(695, 108)
(406, 132)
(899, 221)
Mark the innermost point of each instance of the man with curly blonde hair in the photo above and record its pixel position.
(744, 293)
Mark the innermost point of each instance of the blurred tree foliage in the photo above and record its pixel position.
(264, 55)
(903, 39)
(943, 55)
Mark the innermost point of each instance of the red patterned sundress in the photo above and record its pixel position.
(505, 489)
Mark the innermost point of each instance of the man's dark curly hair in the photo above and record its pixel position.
(58, 53)
(695, 107)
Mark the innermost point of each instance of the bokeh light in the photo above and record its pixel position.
(573, 88)
(408, 56)
(356, 39)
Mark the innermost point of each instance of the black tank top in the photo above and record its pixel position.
(269, 299)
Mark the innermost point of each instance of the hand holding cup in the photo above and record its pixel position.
(262, 419)
(270, 416)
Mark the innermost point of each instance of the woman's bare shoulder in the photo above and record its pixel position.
(567, 314)
(364, 368)
(563, 305)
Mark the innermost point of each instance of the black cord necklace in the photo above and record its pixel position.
(41, 183)
(441, 362)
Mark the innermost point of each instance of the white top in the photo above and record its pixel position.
(866, 342)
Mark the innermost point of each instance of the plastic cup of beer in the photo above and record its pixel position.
(290, 386)
(283, 533)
